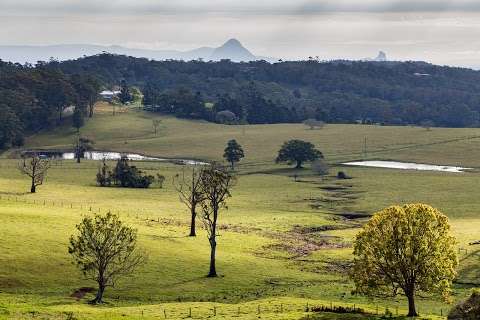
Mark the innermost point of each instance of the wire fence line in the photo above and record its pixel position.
(269, 309)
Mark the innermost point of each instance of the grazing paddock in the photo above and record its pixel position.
(284, 245)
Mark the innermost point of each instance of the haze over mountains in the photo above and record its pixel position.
(232, 49)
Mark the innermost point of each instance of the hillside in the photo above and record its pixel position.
(274, 255)
(392, 93)
(388, 93)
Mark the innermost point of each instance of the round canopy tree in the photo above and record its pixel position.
(298, 151)
(405, 249)
(104, 250)
(233, 153)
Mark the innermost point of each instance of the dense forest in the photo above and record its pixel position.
(389, 93)
(37, 97)
(334, 92)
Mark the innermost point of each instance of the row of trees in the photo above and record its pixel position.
(127, 176)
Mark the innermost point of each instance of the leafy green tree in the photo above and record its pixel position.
(233, 152)
(127, 176)
(125, 95)
(405, 249)
(298, 151)
(216, 184)
(104, 250)
(11, 130)
(82, 145)
(77, 119)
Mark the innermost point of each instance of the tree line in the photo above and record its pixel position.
(36, 97)
(390, 93)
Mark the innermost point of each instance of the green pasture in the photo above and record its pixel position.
(284, 245)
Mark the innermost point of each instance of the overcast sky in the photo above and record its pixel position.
(439, 31)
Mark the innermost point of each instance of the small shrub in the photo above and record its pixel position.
(343, 175)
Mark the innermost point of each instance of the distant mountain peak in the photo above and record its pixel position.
(232, 43)
(233, 50)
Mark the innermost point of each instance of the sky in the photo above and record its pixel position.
(439, 31)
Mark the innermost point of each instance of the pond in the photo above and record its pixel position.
(110, 155)
(406, 166)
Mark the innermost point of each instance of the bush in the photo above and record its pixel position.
(468, 309)
(226, 117)
(127, 176)
(343, 175)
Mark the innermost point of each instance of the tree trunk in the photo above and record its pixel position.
(192, 223)
(33, 189)
(412, 312)
(213, 246)
(233, 165)
(299, 165)
(99, 296)
(90, 109)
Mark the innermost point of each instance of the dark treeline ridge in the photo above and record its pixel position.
(391, 93)
(36, 97)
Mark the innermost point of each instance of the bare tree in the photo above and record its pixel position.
(156, 124)
(320, 167)
(216, 182)
(104, 250)
(36, 168)
(190, 193)
(314, 124)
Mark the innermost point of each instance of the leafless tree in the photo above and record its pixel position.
(314, 124)
(320, 167)
(156, 124)
(189, 190)
(36, 168)
(216, 183)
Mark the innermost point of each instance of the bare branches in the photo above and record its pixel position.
(36, 168)
(190, 193)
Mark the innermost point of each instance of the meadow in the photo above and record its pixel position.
(284, 245)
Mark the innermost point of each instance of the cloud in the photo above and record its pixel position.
(233, 7)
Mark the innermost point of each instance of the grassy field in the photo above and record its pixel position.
(284, 246)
